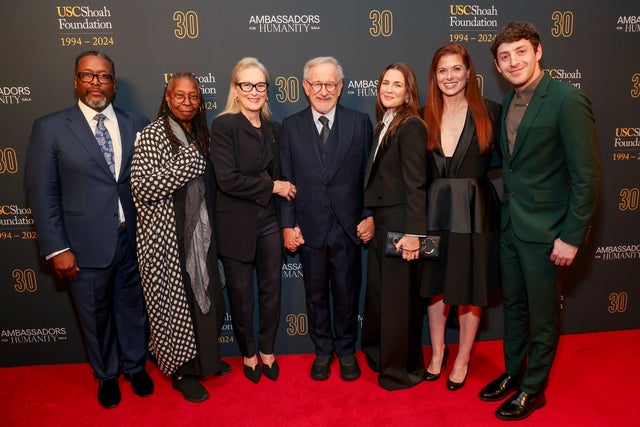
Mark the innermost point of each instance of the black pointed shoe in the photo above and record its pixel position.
(253, 374)
(141, 383)
(428, 376)
(520, 406)
(453, 386)
(272, 371)
(109, 393)
(499, 388)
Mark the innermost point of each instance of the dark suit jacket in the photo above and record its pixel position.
(398, 176)
(551, 179)
(339, 190)
(71, 191)
(236, 153)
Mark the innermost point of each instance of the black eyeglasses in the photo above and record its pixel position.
(88, 77)
(248, 87)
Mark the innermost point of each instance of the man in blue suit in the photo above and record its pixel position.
(324, 152)
(81, 201)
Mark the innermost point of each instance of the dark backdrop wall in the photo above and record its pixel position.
(589, 43)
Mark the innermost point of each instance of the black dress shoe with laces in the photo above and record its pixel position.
(520, 406)
(349, 369)
(141, 383)
(499, 388)
(321, 368)
(109, 392)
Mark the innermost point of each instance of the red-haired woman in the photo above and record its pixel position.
(463, 206)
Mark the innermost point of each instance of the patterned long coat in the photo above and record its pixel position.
(157, 172)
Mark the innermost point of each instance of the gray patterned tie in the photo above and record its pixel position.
(324, 133)
(104, 141)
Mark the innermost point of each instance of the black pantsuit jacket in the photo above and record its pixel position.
(396, 193)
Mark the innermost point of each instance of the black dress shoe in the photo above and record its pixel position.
(520, 406)
(349, 369)
(190, 388)
(225, 369)
(428, 376)
(321, 368)
(499, 388)
(141, 383)
(253, 374)
(109, 392)
(272, 371)
(453, 386)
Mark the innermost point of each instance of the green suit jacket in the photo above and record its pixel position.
(551, 179)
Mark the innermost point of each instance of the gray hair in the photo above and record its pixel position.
(322, 60)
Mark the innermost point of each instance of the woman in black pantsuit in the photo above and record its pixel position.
(245, 158)
(395, 190)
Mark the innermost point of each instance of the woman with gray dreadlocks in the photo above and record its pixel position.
(174, 189)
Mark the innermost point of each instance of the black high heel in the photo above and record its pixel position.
(272, 371)
(428, 376)
(453, 386)
(253, 374)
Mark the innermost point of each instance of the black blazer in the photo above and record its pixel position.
(398, 175)
(243, 182)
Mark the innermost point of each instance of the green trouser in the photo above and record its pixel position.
(531, 307)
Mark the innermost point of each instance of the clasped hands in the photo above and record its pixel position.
(366, 229)
(292, 237)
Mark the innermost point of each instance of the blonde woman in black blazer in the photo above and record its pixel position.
(395, 190)
(245, 158)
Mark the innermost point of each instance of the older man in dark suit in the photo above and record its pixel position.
(77, 176)
(324, 152)
(551, 173)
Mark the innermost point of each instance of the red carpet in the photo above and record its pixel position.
(592, 384)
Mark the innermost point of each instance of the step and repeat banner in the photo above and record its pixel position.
(591, 44)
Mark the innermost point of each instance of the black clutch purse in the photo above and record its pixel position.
(429, 245)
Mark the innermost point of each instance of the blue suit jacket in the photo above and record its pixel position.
(340, 189)
(72, 194)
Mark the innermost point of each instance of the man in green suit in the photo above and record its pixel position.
(551, 174)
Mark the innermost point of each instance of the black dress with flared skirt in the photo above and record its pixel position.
(463, 208)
